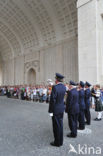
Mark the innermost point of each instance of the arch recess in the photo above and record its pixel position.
(31, 76)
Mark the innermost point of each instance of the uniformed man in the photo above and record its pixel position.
(56, 110)
(72, 108)
(87, 103)
(81, 106)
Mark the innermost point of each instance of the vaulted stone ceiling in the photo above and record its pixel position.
(33, 24)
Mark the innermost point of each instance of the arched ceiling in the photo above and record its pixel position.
(26, 24)
(5, 48)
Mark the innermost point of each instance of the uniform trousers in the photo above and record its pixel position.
(72, 121)
(81, 119)
(88, 116)
(57, 121)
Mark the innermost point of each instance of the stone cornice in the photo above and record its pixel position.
(81, 3)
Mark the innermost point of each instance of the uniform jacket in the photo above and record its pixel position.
(87, 98)
(81, 99)
(56, 104)
(72, 103)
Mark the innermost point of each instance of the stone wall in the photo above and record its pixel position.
(0, 71)
(61, 57)
(90, 40)
(99, 25)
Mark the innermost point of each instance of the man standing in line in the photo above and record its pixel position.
(72, 109)
(81, 106)
(56, 110)
(87, 103)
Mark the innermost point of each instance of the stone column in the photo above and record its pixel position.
(1, 73)
(87, 41)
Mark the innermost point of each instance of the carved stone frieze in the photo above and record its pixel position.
(35, 64)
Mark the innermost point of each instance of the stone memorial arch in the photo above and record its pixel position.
(51, 36)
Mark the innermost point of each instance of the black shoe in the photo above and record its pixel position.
(97, 119)
(71, 136)
(80, 128)
(53, 144)
(86, 123)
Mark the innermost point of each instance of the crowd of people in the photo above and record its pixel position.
(39, 93)
(75, 99)
(42, 93)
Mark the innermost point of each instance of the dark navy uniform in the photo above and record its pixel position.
(57, 107)
(87, 104)
(81, 107)
(72, 108)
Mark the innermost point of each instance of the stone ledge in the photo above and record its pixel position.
(80, 3)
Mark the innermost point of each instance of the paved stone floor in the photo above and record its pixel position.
(26, 130)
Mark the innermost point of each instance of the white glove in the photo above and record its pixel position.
(51, 114)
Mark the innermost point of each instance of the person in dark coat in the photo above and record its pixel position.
(81, 106)
(8, 92)
(72, 109)
(56, 110)
(87, 103)
(93, 96)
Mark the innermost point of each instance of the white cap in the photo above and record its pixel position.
(50, 82)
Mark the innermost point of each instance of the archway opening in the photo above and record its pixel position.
(31, 77)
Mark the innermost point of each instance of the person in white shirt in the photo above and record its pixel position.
(34, 94)
(44, 94)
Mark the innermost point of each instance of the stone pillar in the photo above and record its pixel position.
(87, 41)
(99, 38)
(1, 73)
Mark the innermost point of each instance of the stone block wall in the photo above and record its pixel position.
(61, 57)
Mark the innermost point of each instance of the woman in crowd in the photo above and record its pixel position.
(98, 102)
